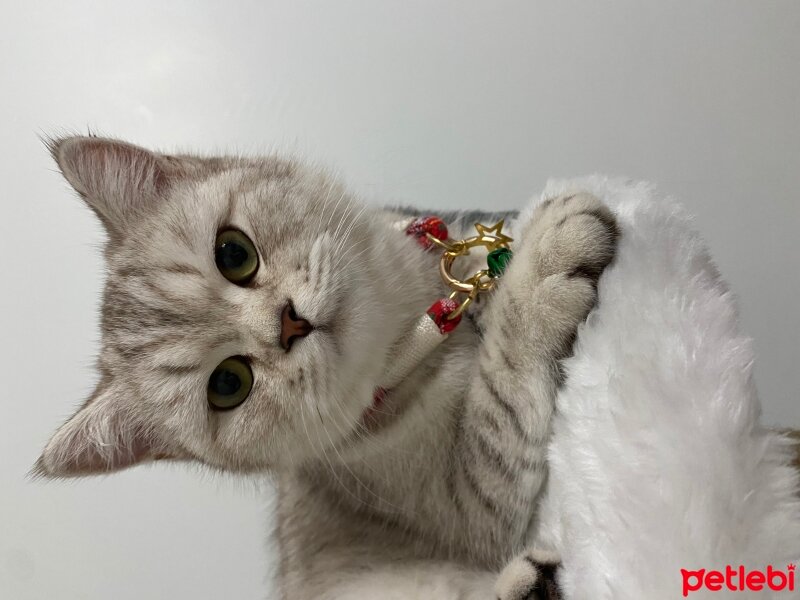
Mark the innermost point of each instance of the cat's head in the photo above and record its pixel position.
(209, 262)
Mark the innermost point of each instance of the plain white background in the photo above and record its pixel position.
(442, 104)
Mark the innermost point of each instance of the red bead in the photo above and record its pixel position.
(420, 227)
(439, 312)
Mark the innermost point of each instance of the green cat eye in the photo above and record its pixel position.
(230, 383)
(236, 256)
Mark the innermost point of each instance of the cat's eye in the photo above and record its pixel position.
(230, 383)
(236, 256)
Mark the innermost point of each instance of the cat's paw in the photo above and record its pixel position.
(575, 234)
(529, 576)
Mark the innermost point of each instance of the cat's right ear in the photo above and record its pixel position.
(103, 436)
(119, 181)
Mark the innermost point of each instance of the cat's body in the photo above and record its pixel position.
(437, 490)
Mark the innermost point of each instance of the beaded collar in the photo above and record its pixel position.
(444, 315)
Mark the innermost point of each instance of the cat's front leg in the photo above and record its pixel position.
(528, 326)
(330, 552)
(531, 575)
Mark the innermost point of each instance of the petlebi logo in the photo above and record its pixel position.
(739, 579)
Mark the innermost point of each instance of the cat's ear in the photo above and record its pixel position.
(101, 437)
(116, 179)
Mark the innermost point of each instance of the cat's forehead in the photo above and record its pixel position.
(164, 316)
(269, 201)
(162, 302)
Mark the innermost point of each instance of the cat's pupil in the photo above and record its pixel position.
(231, 255)
(225, 383)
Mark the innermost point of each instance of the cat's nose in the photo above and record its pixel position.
(292, 327)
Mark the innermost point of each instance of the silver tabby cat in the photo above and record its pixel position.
(433, 493)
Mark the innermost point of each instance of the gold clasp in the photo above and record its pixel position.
(490, 238)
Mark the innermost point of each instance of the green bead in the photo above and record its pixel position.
(498, 260)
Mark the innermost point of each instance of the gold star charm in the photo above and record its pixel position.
(494, 234)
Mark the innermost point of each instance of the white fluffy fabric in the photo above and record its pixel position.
(658, 459)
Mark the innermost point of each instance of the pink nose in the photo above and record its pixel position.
(292, 327)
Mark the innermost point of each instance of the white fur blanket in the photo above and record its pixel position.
(658, 460)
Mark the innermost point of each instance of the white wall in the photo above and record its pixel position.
(445, 104)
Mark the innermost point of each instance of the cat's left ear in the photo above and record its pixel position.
(119, 181)
(101, 437)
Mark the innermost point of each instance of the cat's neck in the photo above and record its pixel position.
(398, 472)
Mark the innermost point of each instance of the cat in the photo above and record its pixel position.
(250, 310)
